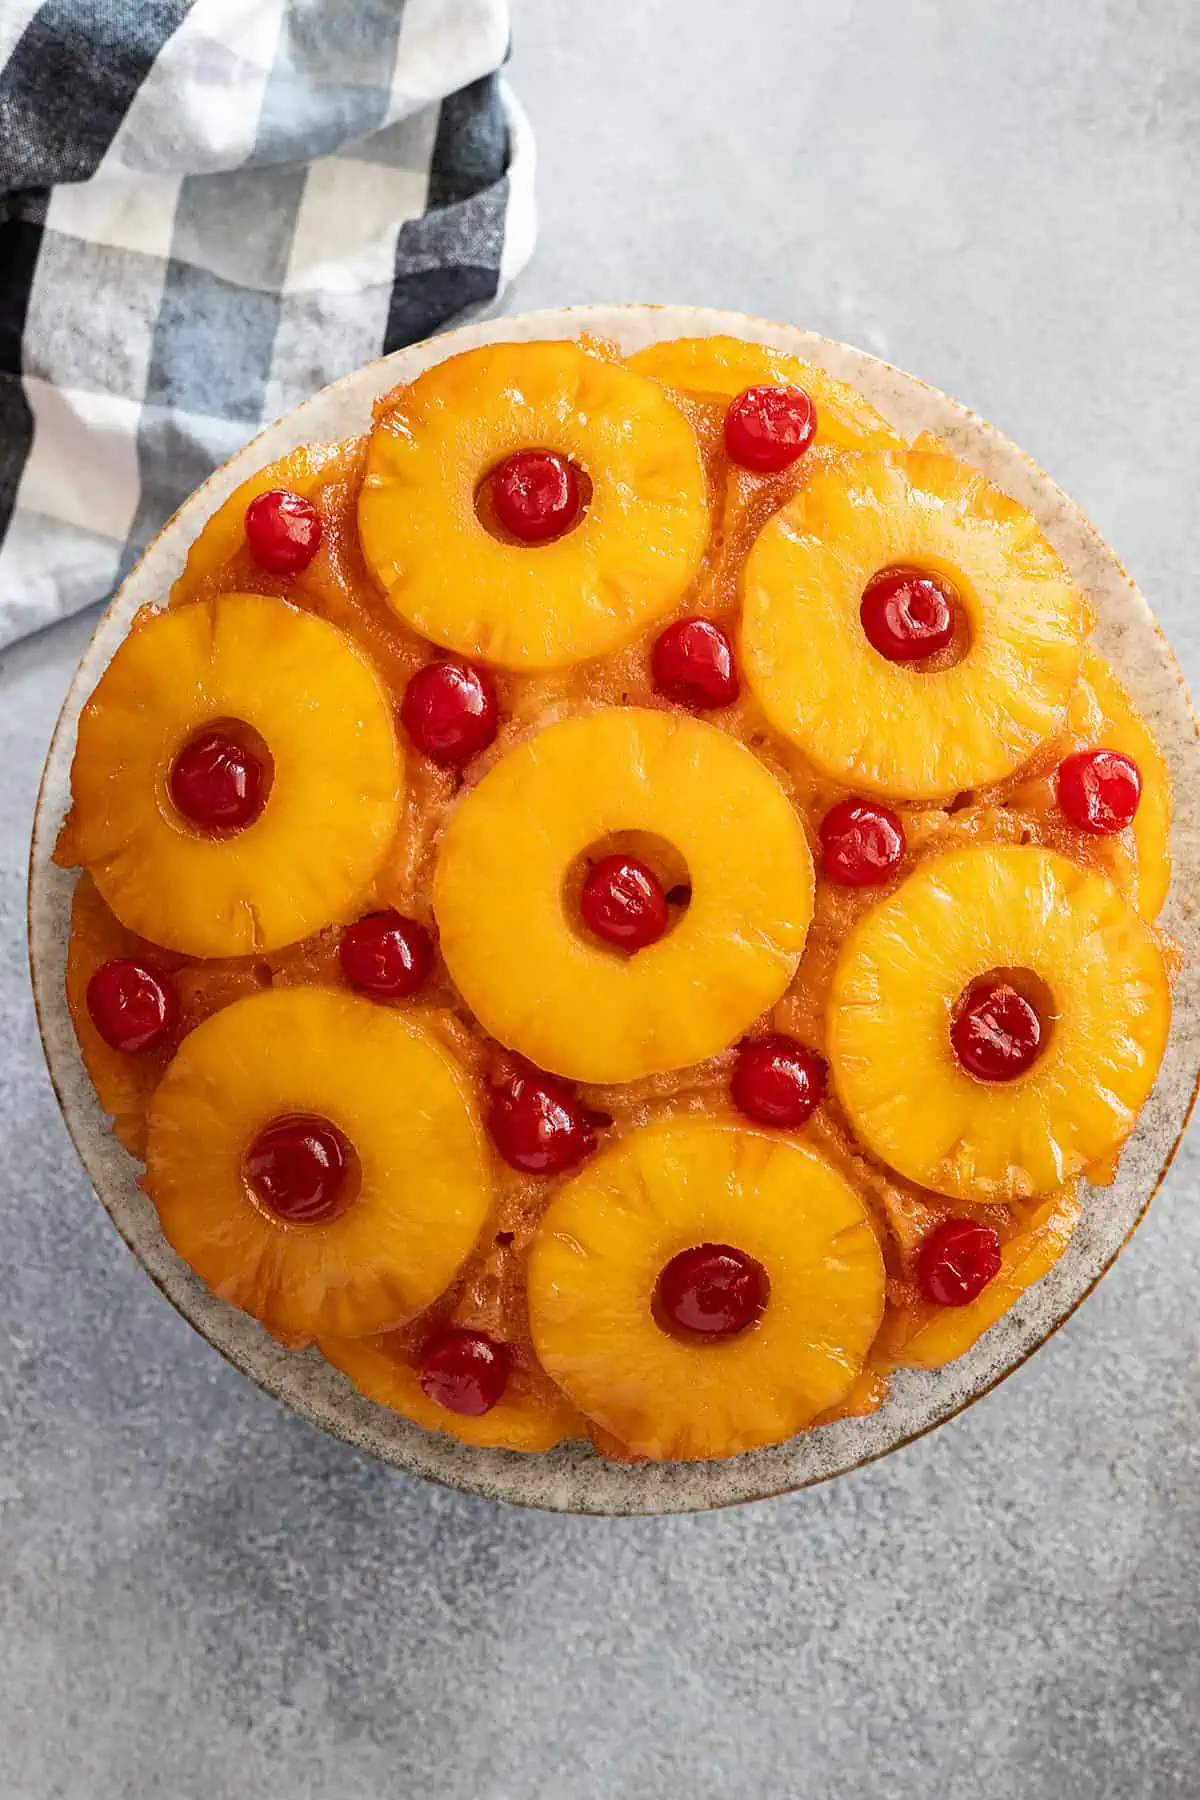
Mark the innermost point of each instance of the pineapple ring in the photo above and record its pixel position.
(531, 1414)
(926, 1336)
(312, 855)
(224, 533)
(124, 1083)
(881, 726)
(425, 1189)
(726, 366)
(511, 946)
(902, 969)
(610, 1231)
(627, 562)
(1120, 726)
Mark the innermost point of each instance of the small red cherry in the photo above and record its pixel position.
(713, 1292)
(623, 903)
(450, 711)
(538, 1125)
(283, 531)
(777, 1081)
(996, 1033)
(1099, 790)
(861, 843)
(536, 496)
(692, 664)
(217, 783)
(908, 614)
(767, 428)
(297, 1168)
(957, 1261)
(386, 955)
(463, 1371)
(131, 1006)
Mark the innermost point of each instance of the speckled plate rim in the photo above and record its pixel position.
(573, 1478)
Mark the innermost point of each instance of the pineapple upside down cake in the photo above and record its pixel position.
(620, 904)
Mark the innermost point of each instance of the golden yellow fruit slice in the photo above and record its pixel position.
(310, 858)
(391, 1089)
(608, 1234)
(524, 963)
(1120, 726)
(906, 963)
(930, 1336)
(627, 562)
(887, 727)
(531, 1414)
(726, 366)
(224, 534)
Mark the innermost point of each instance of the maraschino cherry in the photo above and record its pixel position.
(132, 1005)
(283, 531)
(217, 783)
(386, 955)
(1099, 790)
(450, 711)
(538, 1125)
(463, 1371)
(535, 495)
(713, 1292)
(622, 903)
(777, 1081)
(957, 1261)
(908, 614)
(692, 664)
(297, 1168)
(768, 428)
(861, 843)
(996, 1031)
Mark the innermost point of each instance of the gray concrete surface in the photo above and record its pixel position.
(200, 1598)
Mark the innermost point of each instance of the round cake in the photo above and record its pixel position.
(621, 904)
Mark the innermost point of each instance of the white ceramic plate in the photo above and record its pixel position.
(572, 1478)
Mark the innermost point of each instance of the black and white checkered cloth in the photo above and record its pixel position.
(209, 209)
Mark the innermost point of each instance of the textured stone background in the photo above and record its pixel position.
(202, 1599)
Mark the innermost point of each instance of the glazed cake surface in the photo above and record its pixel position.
(716, 919)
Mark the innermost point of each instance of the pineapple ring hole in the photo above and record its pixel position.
(485, 508)
(247, 739)
(959, 647)
(1035, 991)
(658, 854)
(349, 1181)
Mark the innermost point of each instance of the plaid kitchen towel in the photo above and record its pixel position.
(208, 209)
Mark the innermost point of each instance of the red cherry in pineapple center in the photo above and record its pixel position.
(861, 843)
(768, 428)
(132, 1006)
(298, 1168)
(713, 1292)
(386, 955)
(1099, 790)
(907, 614)
(996, 1032)
(217, 783)
(623, 903)
(777, 1081)
(957, 1261)
(463, 1371)
(536, 495)
(283, 531)
(692, 664)
(450, 711)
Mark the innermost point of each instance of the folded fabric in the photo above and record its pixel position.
(207, 211)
